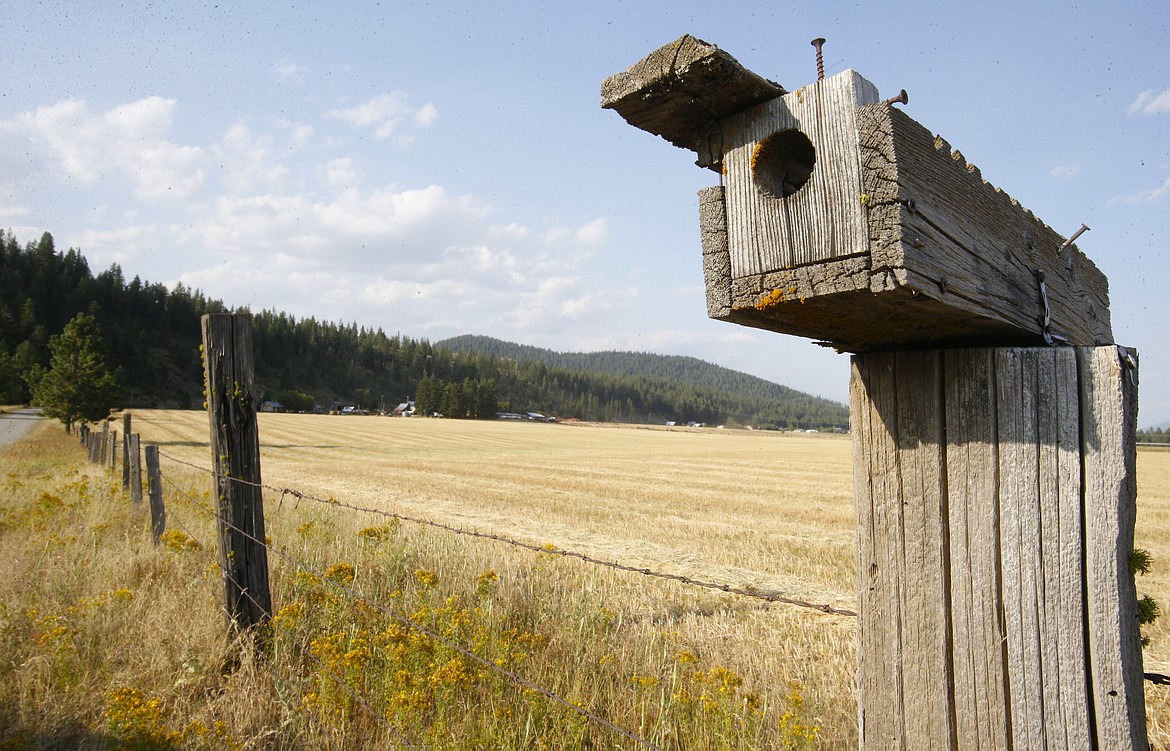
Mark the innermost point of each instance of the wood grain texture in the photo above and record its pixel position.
(1020, 530)
(134, 450)
(925, 604)
(992, 578)
(1108, 419)
(127, 422)
(235, 456)
(978, 664)
(716, 258)
(825, 219)
(904, 672)
(872, 401)
(680, 92)
(158, 512)
(968, 243)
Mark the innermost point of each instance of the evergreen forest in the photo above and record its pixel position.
(151, 335)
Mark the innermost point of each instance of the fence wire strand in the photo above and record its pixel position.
(301, 646)
(548, 549)
(408, 623)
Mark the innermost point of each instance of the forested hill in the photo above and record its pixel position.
(690, 371)
(150, 334)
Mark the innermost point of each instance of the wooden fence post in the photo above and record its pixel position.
(994, 485)
(125, 450)
(995, 507)
(235, 455)
(104, 445)
(112, 450)
(158, 514)
(134, 459)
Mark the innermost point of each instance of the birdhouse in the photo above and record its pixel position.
(840, 218)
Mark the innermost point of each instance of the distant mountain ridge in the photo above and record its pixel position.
(691, 372)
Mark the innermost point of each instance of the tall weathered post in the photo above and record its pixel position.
(134, 459)
(126, 430)
(235, 457)
(992, 416)
(158, 513)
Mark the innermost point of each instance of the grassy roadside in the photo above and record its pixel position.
(111, 642)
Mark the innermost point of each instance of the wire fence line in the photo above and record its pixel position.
(544, 549)
(301, 646)
(431, 634)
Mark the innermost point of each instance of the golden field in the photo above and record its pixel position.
(681, 666)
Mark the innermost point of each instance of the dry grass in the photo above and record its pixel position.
(764, 510)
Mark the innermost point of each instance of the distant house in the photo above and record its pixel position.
(405, 409)
(342, 408)
(271, 406)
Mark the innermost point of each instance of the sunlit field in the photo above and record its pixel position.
(678, 665)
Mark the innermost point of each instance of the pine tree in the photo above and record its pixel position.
(78, 384)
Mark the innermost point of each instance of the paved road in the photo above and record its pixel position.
(13, 425)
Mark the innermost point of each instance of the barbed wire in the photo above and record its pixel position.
(301, 646)
(407, 622)
(547, 549)
(1158, 679)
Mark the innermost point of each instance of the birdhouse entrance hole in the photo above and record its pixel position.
(783, 162)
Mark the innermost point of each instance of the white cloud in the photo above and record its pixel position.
(248, 161)
(593, 233)
(1147, 196)
(1150, 103)
(342, 173)
(129, 138)
(287, 70)
(1065, 172)
(385, 113)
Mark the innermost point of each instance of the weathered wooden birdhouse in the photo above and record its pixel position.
(840, 218)
(993, 471)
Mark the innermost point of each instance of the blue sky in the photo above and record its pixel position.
(434, 169)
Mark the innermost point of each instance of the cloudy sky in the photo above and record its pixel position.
(433, 169)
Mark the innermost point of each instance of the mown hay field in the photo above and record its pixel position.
(685, 666)
(772, 511)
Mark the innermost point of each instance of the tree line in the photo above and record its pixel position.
(148, 335)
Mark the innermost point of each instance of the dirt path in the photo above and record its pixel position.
(13, 425)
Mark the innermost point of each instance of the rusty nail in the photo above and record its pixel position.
(818, 43)
(942, 284)
(918, 243)
(911, 206)
(902, 98)
(1073, 239)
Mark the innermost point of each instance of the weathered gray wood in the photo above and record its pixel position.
(158, 513)
(1108, 419)
(925, 649)
(823, 220)
(1064, 665)
(879, 572)
(716, 255)
(981, 715)
(901, 242)
(104, 443)
(126, 430)
(134, 454)
(680, 92)
(235, 455)
(904, 673)
(972, 585)
(974, 236)
(112, 450)
(1020, 543)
